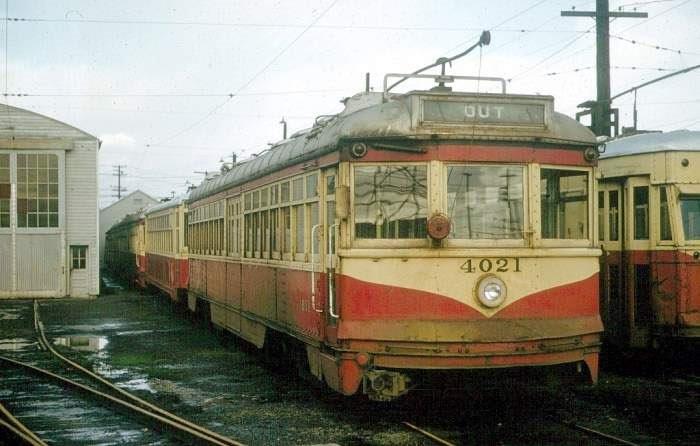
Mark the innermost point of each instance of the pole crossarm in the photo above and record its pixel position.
(600, 108)
(638, 15)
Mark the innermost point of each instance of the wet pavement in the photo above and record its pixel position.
(148, 346)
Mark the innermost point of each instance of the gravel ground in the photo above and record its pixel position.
(159, 352)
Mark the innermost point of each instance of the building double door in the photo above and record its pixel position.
(32, 258)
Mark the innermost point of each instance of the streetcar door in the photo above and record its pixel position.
(637, 258)
(610, 234)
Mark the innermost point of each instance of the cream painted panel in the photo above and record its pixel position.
(447, 278)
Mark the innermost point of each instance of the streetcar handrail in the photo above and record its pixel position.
(314, 230)
(331, 290)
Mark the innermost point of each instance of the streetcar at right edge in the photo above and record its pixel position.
(649, 229)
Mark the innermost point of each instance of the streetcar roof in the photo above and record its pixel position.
(174, 202)
(677, 140)
(368, 117)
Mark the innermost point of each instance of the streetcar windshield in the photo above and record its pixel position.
(690, 212)
(485, 202)
(564, 200)
(391, 202)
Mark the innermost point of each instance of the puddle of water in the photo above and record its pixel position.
(134, 332)
(16, 344)
(137, 384)
(82, 343)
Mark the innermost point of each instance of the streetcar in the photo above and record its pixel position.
(165, 256)
(125, 250)
(431, 231)
(649, 226)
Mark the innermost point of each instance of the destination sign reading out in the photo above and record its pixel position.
(473, 112)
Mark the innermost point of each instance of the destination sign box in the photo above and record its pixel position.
(483, 112)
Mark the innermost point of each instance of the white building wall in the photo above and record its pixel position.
(82, 215)
(35, 262)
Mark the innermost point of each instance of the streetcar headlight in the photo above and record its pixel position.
(491, 291)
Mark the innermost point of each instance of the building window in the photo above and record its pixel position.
(78, 256)
(4, 190)
(37, 191)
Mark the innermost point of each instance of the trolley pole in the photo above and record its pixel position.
(600, 109)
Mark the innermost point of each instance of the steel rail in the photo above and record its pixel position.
(114, 400)
(427, 434)
(599, 434)
(19, 434)
(15, 426)
(136, 400)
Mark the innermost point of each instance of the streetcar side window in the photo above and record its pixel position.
(613, 215)
(641, 212)
(485, 202)
(564, 200)
(665, 226)
(391, 202)
(690, 212)
(601, 215)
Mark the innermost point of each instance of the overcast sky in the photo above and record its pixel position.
(153, 79)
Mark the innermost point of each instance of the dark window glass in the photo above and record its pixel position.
(564, 200)
(690, 211)
(312, 186)
(641, 213)
(284, 192)
(601, 215)
(665, 227)
(286, 230)
(298, 189)
(485, 202)
(330, 185)
(78, 257)
(299, 214)
(37, 186)
(391, 202)
(613, 215)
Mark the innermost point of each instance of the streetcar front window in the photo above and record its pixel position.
(485, 202)
(564, 199)
(690, 212)
(391, 202)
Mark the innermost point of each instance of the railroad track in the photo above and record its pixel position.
(607, 438)
(112, 395)
(17, 430)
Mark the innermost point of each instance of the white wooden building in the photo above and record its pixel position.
(49, 241)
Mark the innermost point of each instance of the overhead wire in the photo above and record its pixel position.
(250, 81)
(570, 55)
(171, 95)
(493, 28)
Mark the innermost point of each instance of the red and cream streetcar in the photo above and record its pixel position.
(424, 231)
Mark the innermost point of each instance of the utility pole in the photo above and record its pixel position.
(600, 108)
(119, 173)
